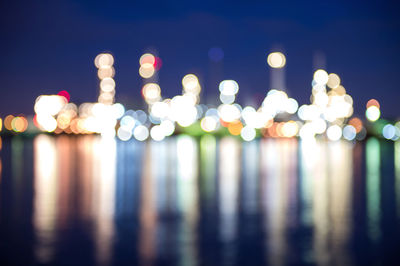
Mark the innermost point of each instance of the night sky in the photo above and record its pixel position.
(50, 45)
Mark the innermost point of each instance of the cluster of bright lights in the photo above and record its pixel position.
(47, 108)
(104, 63)
(328, 114)
(330, 108)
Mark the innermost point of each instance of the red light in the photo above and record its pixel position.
(157, 63)
(65, 94)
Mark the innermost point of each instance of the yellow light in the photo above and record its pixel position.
(340, 90)
(63, 121)
(146, 70)
(108, 72)
(151, 92)
(107, 85)
(191, 84)
(333, 81)
(276, 60)
(290, 129)
(104, 60)
(372, 113)
(1, 124)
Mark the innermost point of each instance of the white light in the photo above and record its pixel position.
(349, 132)
(49, 104)
(248, 133)
(124, 133)
(318, 125)
(372, 113)
(321, 77)
(167, 127)
(141, 116)
(157, 133)
(209, 123)
(119, 110)
(104, 60)
(228, 112)
(307, 132)
(160, 110)
(141, 133)
(47, 122)
(389, 131)
(128, 122)
(334, 132)
(228, 87)
(247, 113)
(107, 84)
(227, 99)
(291, 106)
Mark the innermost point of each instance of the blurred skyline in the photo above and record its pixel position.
(50, 46)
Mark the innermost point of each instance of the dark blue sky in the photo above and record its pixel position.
(50, 45)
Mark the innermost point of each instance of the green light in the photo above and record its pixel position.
(397, 169)
(373, 187)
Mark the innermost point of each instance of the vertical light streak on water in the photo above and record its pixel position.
(65, 184)
(309, 154)
(45, 199)
(373, 188)
(397, 169)
(291, 151)
(17, 149)
(229, 173)
(104, 197)
(148, 211)
(1, 165)
(249, 183)
(159, 154)
(341, 183)
(318, 172)
(84, 158)
(208, 161)
(187, 173)
(276, 188)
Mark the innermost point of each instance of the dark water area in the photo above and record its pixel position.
(85, 200)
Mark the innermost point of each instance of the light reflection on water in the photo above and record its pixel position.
(184, 201)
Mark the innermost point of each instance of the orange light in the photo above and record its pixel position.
(356, 123)
(235, 127)
(373, 102)
(7, 122)
(19, 124)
